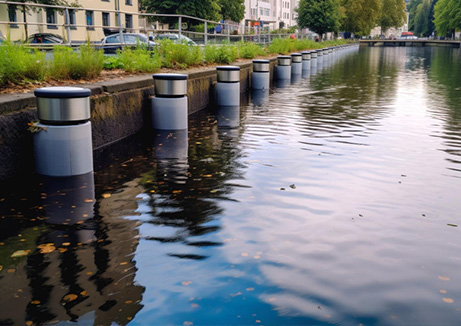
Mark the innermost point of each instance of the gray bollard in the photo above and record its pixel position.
(306, 57)
(296, 63)
(63, 145)
(227, 89)
(260, 79)
(169, 106)
(319, 58)
(283, 67)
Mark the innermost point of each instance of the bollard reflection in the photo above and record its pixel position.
(260, 97)
(170, 144)
(228, 116)
(282, 83)
(295, 78)
(68, 205)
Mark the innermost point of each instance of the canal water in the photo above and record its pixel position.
(335, 201)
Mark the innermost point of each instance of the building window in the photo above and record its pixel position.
(89, 18)
(51, 19)
(12, 17)
(105, 19)
(128, 21)
(129, 2)
(71, 19)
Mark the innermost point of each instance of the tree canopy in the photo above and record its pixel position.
(321, 16)
(360, 16)
(392, 14)
(447, 16)
(232, 9)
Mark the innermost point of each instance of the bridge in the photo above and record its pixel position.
(417, 42)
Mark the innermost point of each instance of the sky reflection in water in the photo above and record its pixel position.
(335, 201)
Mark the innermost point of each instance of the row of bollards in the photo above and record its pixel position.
(62, 141)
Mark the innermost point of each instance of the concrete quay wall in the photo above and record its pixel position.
(119, 108)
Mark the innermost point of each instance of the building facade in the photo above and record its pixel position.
(92, 20)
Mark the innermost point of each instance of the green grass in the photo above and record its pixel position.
(19, 64)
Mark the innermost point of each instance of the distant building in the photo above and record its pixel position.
(91, 21)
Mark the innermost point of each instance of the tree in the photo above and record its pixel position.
(411, 8)
(447, 16)
(321, 16)
(392, 14)
(232, 9)
(205, 9)
(360, 16)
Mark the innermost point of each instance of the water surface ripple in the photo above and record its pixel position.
(336, 201)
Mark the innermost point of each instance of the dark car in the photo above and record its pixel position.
(112, 43)
(45, 38)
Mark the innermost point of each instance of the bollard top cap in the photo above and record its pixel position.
(232, 68)
(296, 54)
(261, 61)
(170, 76)
(62, 92)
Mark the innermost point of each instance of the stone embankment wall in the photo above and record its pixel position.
(119, 108)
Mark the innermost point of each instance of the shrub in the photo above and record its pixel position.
(220, 54)
(179, 55)
(139, 59)
(250, 50)
(19, 64)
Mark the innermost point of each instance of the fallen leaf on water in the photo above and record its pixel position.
(188, 323)
(70, 297)
(177, 191)
(88, 200)
(66, 244)
(194, 305)
(124, 263)
(128, 302)
(448, 300)
(444, 278)
(186, 283)
(20, 253)
(46, 248)
(29, 323)
(11, 270)
(207, 175)
(84, 293)
(258, 321)
(62, 250)
(443, 291)
(244, 254)
(105, 195)
(35, 302)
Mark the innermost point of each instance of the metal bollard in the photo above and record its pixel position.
(306, 57)
(62, 143)
(283, 67)
(260, 79)
(169, 106)
(227, 89)
(296, 63)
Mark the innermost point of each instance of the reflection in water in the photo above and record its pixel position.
(333, 201)
(228, 116)
(260, 97)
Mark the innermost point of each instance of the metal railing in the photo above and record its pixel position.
(148, 24)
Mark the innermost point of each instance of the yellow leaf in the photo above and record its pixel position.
(66, 244)
(124, 263)
(207, 175)
(128, 301)
(105, 195)
(61, 250)
(20, 253)
(11, 270)
(70, 297)
(84, 293)
(89, 200)
(29, 323)
(448, 300)
(177, 191)
(35, 302)
(444, 278)
(46, 248)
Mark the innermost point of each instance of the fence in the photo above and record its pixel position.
(77, 25)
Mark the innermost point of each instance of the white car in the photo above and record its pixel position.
(175, 38)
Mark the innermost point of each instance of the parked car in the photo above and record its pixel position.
(112, 43)
(175, 38)
(45, 38)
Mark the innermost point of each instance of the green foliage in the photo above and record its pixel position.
(179, 55)
(447, 16)
(287, 45)
(205, 9)
(321, 16)
(392, 14)
(249, 50)
(360, 16)
(411, 8)
(87, 63)
(232, 9)
(220, 54)
(138, 59)
(113, 62)
(18, 64)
